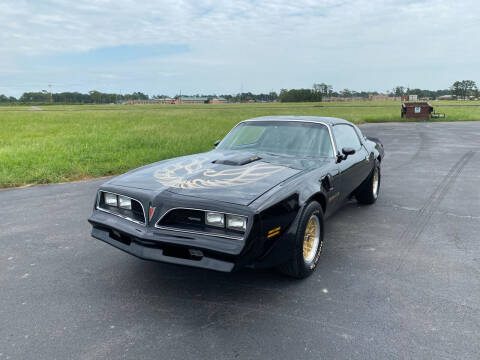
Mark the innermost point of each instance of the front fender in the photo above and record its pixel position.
(281, 249)
(273, 250)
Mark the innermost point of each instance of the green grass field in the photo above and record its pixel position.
(64, 143)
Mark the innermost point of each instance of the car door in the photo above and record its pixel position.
(353, 166)
(369, 156)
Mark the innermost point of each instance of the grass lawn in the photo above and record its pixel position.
(63, 143)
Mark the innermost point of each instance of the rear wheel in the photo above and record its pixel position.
(367, 192)
(308, 243)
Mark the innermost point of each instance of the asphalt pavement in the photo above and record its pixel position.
(397, 280)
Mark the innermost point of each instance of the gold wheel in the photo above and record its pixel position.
(375, 183)
(311, 239)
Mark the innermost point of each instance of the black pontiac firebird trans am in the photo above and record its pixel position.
(259, 199)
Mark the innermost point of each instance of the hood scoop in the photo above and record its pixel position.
(238, 160)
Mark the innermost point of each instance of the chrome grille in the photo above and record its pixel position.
(192, 221)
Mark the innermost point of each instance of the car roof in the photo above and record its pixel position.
(318, 119)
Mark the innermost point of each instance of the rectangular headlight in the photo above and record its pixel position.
(215, 219)
(110, 199)
(236, 222)
(124, 203)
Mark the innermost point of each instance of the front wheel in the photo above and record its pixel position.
(367, 192)
(308, 243)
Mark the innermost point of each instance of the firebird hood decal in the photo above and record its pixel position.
(197, 173)
(198, 176)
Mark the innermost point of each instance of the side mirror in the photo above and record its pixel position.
(348, 151)
(345, 152)
(216, 143)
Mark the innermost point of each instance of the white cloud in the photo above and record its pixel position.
(263, 45)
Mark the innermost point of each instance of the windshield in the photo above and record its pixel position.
(290, 138)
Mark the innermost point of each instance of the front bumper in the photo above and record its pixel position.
(157, 253)
(150, 243)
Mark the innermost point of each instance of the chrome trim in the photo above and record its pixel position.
(120, 215)
(198, 232)
(334, 147)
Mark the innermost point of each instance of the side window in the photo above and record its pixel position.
(345, 136)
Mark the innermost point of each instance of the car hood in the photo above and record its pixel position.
(228, 176)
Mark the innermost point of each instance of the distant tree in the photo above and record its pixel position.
(346, 93)
(227, 97)
(272, 95)
(470, 88)
(136, 96)
(365, 94)
(463, 89)
(399, 91)
(457, 89)
(324, 89)
(39, 96)
(96, 96)
(299, 95)
(248, 96)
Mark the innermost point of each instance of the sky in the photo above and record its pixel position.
(227, 46)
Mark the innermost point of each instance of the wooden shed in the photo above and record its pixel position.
(417, 110)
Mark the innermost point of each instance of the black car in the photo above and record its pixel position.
(259, 199)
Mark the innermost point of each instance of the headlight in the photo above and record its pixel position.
(236, 222)
(215, 219)
(124, 203)
(110, 199)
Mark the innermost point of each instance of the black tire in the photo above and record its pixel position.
(366, 192)
(298, 266)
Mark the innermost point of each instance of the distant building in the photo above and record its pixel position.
(191, 100)
(379, 97)
(410, 98)
(219, 100)
(150, 101)
(166, 101)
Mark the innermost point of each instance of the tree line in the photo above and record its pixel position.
(92, 97)
(462, 89)
(241, 97)
(465, 89)
(400, 91)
